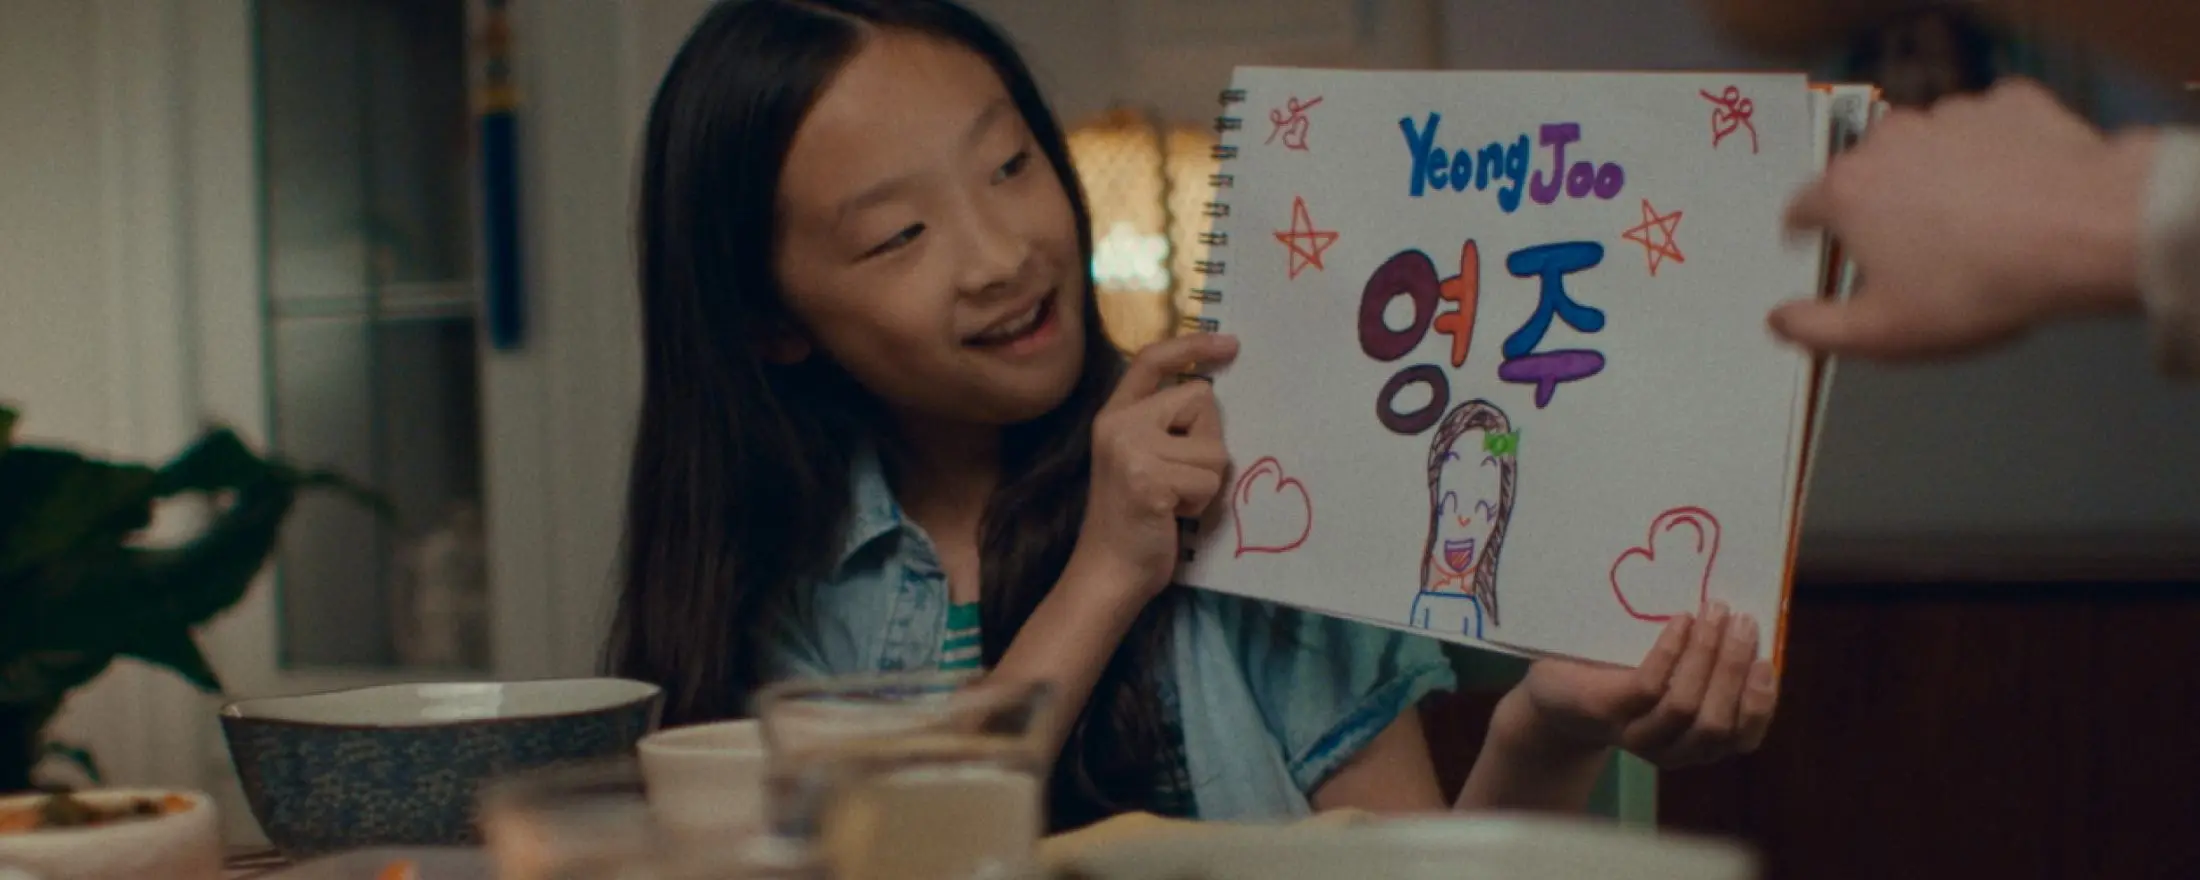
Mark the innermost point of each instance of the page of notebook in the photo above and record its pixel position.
(1498, 404)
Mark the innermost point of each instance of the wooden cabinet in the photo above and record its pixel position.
(1954, 725)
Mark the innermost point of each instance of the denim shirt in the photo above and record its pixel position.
(1269, 707)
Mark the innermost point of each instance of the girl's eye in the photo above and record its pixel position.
(1449, 503)
(1014, 166)
(899, 240)
(1486, 509)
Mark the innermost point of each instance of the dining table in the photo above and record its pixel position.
(246, 863)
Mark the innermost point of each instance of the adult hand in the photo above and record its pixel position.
(1970, 223)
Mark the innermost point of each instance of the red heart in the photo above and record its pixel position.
(1706, 548)
(1242, 499)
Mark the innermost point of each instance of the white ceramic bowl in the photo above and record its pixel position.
(706, 776)
(177, 846)
(1481, 847)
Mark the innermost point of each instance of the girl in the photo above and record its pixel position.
(1472, 475)
(880, 413)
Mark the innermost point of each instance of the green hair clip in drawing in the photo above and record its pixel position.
(1501, 444)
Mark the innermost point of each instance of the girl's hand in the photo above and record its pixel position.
(1701, 695)
(1157, 454)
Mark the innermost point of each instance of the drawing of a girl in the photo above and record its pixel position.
(1472, 465)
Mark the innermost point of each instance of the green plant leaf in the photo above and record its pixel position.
(53, 501)
(33, 677)
(218, 461)
(78, 755)
(174, 648)
(196, 581)
(143, 601)
(358, 494)
(74, 592)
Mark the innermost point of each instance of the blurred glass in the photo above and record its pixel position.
(920, 776)
(591, 820)
(760, 861)
(551, 822)
(369, 328)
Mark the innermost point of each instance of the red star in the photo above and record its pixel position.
(1306, 242)
(1662, 247)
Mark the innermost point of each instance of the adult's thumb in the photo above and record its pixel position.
(1836, 327)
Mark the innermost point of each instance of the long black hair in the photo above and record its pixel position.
(1975, 42)
(738, 499)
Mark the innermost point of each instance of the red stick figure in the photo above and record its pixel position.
(1291, 123)
(1729, 113)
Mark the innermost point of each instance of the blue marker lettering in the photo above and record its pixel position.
(1422, 146)
(1505, 164)
(1516, 170)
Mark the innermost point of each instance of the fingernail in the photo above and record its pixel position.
(1718, 613)
(1678, 624)
(1760, 676)
(1742, 626)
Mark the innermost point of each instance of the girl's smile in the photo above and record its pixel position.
(1459, 555)
(1026, 332)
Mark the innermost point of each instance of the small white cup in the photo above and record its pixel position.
(706, 778)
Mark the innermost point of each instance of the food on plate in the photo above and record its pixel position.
(59, 811)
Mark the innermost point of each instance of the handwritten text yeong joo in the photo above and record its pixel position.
(1436, 169)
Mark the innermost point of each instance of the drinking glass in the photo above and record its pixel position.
(754, 858)
(557, 821)
(915, 776)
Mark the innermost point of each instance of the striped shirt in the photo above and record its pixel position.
(960, 649)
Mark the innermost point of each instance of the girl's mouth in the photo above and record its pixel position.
(1021, 333)
(1458, 555)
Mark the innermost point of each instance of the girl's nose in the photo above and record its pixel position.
(996, 256)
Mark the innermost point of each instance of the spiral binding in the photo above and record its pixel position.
(1209, 291)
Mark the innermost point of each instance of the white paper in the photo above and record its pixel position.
(1667, 477)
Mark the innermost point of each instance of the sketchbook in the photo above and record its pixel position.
(1504, 376)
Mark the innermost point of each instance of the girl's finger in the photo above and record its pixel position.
(1657, 666)
(1759, 696)
(1684, 690)
(1195, 488)
(1718, 720)
(1196, 451)
(1656, 670)
(1186, 409)
(1169, 357)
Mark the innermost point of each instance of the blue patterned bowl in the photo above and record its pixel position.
(399, 765)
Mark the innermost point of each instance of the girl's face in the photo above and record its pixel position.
(1468, 487)
(928, 247)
